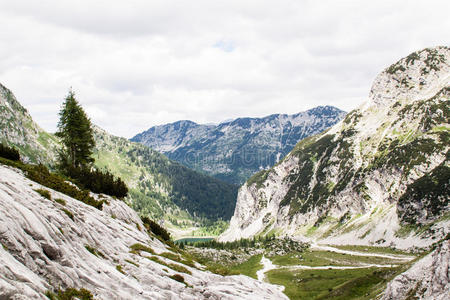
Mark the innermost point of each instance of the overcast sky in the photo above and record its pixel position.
(138, 63)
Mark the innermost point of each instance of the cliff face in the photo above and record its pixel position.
(375, 177)
(236, 149)
(61, 243)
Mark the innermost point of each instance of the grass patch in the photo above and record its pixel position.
(68, 213)
(120, 269)
(132, 262)
(69, 294)
(326, 284)
(327, 258)
(44, 193)
(249, 267)
(175, 267)
(371, 249)
(136, 248)
(60, 201)
(94, 251)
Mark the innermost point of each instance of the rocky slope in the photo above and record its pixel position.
(234, 150)
(17, 128)
(380, 176)
(159, 187)
(60, 243)
(426, 279)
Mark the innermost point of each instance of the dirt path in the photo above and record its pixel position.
(267, 266)
(357, 253)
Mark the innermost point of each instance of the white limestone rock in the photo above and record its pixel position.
(43, 248)
(426, 279)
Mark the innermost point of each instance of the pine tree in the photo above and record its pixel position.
(75, 131)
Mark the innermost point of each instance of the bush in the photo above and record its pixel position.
(9, 153)
(98, 181)
(139, 247)
(70, 294)
(44, 193)
(156, 228)
(94, 251)
(178, 278)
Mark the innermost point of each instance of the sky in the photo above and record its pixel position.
(138, 63)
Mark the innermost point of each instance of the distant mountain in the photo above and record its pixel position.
(236, 149)
(380, 177)
(160, 188)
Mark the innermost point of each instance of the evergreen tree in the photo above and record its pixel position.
(75, 131)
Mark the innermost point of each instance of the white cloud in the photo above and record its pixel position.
(135, 64)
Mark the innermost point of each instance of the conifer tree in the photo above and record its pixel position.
(75, 131)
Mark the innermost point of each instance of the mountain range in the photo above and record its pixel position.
(379, 177)
(236, 149)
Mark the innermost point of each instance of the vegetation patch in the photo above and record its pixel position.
(136, 248)
(330, 284)
(41, 175)
(94, 251)
(60, 201)
(9, 152)
(44, 193)
(157, 229)
(70, 294)
(68, 213)
(120, 269)
(433, 192)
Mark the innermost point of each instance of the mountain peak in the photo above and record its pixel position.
(413, 77)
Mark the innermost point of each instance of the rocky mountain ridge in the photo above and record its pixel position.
(59, 242)
(236, 149)
(378, 177)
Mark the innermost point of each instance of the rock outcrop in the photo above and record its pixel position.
(375, 178)
(426, 279)
(61, 242)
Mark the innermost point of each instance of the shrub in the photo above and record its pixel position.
(69, 294)
(178, 278)
(9, 153)
(120, 269)
(68, 213)
(139, 247)
(60, 201)
(157, 229)
(94, 251)
(44, 193)
(98, 181)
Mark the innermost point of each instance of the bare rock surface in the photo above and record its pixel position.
(426, 279)
(43, 247)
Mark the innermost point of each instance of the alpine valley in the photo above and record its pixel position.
(359, 210)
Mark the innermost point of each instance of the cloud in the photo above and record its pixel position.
(136, 64)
